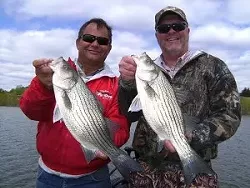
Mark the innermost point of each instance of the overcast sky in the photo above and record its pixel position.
(31, 29)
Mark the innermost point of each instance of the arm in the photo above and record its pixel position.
(127, 87)
(37, 101)
(121, 135)
(126, 93)
(224, 109)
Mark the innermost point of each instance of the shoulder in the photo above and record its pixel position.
(211, 60)
(212, 64)
(216, 69)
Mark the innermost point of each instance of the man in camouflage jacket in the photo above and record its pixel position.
(205, 89)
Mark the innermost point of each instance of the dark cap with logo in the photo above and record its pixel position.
(169, 9)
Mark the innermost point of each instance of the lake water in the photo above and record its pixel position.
(18, 155)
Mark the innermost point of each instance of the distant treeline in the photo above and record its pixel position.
(11, 98)
(245, 101)
(245, 92)
(245, 105)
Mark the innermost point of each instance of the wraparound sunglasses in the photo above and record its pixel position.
(165, 28)
(91, 38)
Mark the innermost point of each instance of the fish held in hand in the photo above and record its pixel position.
(82, 115)
(157, 100)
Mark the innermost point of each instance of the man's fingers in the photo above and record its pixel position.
(169, 146)
(41, 62)
(44, 70)
(42, 67)
(128, 65)
(189, 137)
(101, 155)
(127, 73)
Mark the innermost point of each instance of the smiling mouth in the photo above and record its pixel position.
(173, 39)
(93, 51)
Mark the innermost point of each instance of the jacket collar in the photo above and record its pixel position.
(187, 57)
(105, 71)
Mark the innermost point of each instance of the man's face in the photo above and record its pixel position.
(93, 52)
(174, 43)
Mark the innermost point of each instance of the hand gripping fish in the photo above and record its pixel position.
(82, 115)
(158, 102)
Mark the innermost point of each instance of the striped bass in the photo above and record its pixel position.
(157, 100)
(82, 115)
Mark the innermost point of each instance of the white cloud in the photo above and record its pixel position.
(216, 27)
(222, 35)
(18, 46)
(238, 11)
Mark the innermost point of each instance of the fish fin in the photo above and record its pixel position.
(194, 167)
(66, 101)
(125, 165)
(89, 154)
(56, 114)
(190, 123)
(151, 92)
(89, 151)
(160, 144)
(112, 127)
(135, 105)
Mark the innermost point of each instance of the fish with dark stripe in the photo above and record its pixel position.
(157, 100)
(82, 114)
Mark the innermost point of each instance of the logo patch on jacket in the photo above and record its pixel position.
(104, 94)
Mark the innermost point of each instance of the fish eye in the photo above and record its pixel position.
(65, 66)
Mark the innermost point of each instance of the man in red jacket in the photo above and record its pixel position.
(62, 161)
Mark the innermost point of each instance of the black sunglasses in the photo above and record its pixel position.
(91, 38)
(165, 28)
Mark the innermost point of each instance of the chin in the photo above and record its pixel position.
(174, 49)
(93, 57)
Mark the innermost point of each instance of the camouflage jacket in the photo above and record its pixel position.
(204, 88)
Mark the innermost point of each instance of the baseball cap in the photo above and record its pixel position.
(169, 9)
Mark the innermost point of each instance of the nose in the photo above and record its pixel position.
(171, 30)
(95, 43)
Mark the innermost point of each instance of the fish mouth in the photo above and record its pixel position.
(141, 57)
(53, 64)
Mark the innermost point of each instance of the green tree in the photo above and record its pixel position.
(245, 92)
(11, 98)
(18, 90)
(2, 90)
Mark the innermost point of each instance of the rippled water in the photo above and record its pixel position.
(18, 156)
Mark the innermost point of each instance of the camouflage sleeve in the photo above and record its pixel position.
(126, 93)
(224, 108)
(145, 139)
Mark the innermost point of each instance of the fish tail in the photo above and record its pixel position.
(125, 165)
(195, 166)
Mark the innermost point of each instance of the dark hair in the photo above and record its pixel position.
(100, 24)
